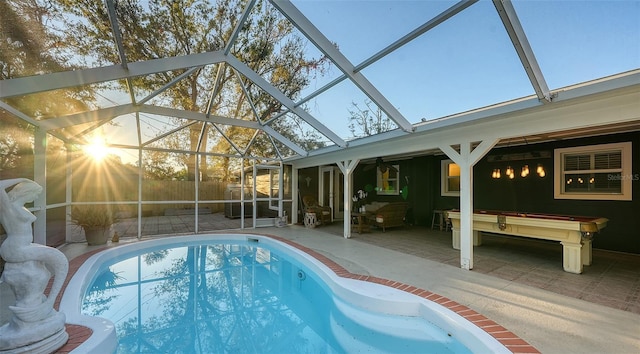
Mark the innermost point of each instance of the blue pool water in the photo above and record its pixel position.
(249, 295)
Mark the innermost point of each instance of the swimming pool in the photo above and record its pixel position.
(250, 293)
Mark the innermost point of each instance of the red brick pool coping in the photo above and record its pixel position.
(78, 334)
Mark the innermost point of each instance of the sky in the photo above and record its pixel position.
(465, 63)
(468, 61)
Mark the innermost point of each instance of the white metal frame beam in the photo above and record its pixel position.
(20, 115)
(88, 117)
(115, 29)
(247, 96)
(445, 15)
(440, 18)
(166, 134)
(286, 101)
(198, 116)
(55, 81)
(116, 111)
(239, 25)
(172, 112)
(240, 151)
(117, 36)
(173, 81)
(521, 44)
(325, 46)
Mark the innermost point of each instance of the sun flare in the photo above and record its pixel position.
(97, 149)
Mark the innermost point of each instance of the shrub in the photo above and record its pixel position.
(93, 216)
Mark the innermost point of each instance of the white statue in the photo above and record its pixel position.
(35, 326)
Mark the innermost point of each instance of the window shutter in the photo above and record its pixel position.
(608, 160)
(577, 162)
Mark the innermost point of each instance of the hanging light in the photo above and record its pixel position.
(523, 160)
(509, 172)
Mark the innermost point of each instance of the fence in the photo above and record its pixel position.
(126, 190)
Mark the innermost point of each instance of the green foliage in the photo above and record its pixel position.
(39, 36)
(16, 148)
(160, 165)
(93, 216)
(31, 44)
(27, 46)
(267, 43)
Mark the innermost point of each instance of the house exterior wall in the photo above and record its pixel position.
(535, 194)
(531, 194)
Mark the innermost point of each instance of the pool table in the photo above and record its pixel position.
(573, 232)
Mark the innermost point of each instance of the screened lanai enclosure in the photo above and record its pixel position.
(204, 113)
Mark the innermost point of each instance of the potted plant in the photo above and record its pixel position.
(96, 220)
(358, 201)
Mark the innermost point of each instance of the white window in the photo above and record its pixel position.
(450, 179)
(388, 182)
(596, 172)
(274, 189)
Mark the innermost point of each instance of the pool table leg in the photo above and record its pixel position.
(572, 257)
(586, 252)
(455, 239)
(477, 238)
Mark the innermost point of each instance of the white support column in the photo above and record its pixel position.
(197, 180)
(140, 176)
(281, 190)
(466, 159)
(348, 192)
(40, 177)
(347, 167)
(68, 193)
(294, 195)
(242, 200)
(466, 211)
(466, 202)
(255, 194)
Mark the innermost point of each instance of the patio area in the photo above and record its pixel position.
(517, 283)
(613, 279)
(161, 110)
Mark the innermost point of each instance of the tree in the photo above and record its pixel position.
(368, 121)
(29, 45)
(168, 28)
(16, 148)
(162, 166)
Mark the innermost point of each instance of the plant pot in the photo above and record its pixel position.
(97, 235)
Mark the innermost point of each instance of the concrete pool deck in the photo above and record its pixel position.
(551, 322)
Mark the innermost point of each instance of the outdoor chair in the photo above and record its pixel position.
(323, 213)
